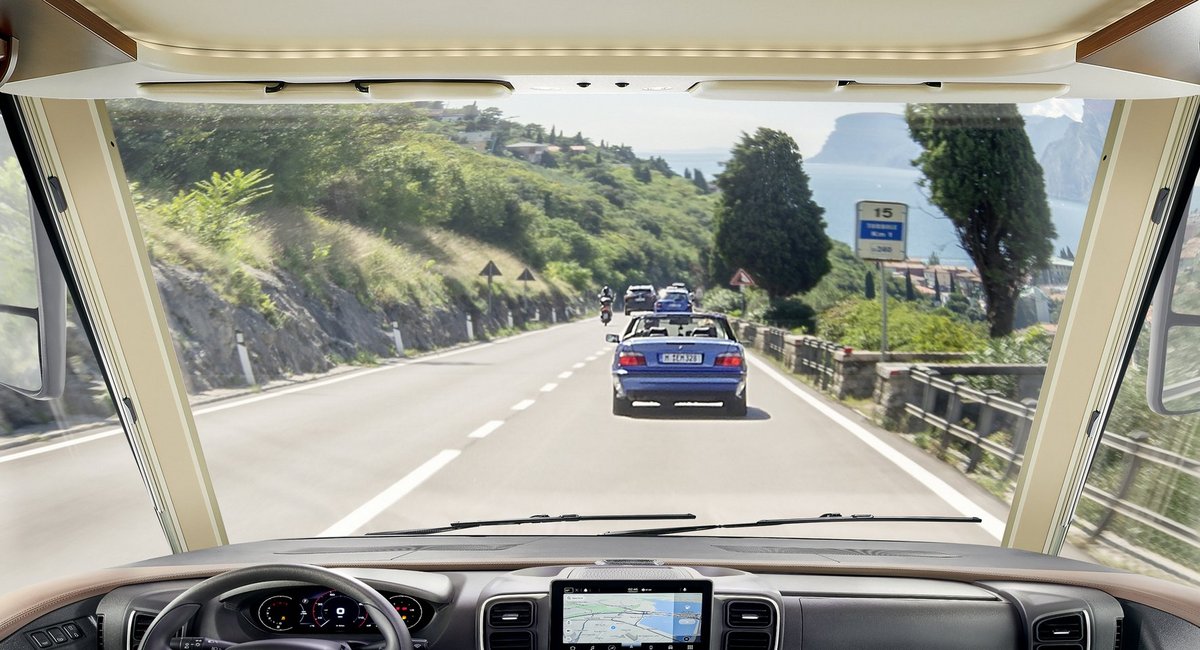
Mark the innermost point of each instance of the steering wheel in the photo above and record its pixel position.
(181, 610)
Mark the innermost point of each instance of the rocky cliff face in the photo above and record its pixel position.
(1070, 162)
(873, 139)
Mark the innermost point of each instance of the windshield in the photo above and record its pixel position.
(388, 316)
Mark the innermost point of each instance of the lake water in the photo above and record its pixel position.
(837, 188)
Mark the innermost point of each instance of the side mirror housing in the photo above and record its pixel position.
(612, 338)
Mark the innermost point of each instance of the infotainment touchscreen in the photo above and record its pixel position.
(647, 615)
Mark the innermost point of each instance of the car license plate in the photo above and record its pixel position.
(678, 357)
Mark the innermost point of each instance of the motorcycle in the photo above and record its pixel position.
(605, 310)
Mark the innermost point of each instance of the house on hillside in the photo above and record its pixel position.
(480, 141)
(1057, 273)
(529, 151)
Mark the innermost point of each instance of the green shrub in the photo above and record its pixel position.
(791, 313)
(911, 328)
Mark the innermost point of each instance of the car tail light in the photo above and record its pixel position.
(631, 359)
(729, 360)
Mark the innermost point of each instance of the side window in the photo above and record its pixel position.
(73, 499)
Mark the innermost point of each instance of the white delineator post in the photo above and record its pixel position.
(553, 315)
(244, 357)
(397, 339)
(510, 319)
(470, 329)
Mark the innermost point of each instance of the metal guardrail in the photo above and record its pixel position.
(814, 358)
(944, 401)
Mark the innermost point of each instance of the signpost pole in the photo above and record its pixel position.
(883, 342)
(489, 277)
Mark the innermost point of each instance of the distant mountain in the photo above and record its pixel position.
(873, 139)
(1070, 162)
(1044, 130)
(1069, 151)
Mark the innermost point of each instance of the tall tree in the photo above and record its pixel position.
(698, 179)
(909, 292)
(869, 290)
(937, 289)
(980, 170)
(766, 219)
(687, 173)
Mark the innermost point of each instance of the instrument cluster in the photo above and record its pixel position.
(303, 610)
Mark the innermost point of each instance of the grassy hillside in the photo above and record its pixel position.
(385, 202)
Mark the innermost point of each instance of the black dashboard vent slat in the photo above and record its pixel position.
(747, 613)
(748, 641)
(139, 622)
(1118, 634)
(510, 640)
(1062, 628)
(513, 613)
(99, 631)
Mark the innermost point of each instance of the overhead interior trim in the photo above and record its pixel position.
(275, 92)
(852, 91)
(1129, 25)
(96, 25)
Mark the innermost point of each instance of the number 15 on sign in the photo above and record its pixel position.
(881, 231)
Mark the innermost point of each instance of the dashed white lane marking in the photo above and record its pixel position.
(951, 496)
(549, 387)
(591, 358)
(565, 375)
(386, 499)
(107, 433)
(522, 405)
(578, 365)
(483, 431)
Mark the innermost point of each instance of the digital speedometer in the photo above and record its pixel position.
(336, 611)
(409, 609)
(279, 613)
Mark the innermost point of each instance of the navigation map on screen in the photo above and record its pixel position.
(631, 618)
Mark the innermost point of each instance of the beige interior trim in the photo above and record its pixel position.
(108, 256)
(1129, 25)
(1143, 153)
(21, 607)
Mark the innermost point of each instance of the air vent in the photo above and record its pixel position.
(510, 640)
(747, 641)
(139, 622)
(1117, 636)
(99, 631)
(747, 613)
(515, 613)
(1061, 628)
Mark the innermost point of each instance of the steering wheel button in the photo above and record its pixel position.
(73, 631)
(41, 639)
(57, 635)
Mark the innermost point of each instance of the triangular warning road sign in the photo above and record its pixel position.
(526, 276)
(490, 270)
(741, 279)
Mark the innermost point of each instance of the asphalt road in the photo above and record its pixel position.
(511, 428)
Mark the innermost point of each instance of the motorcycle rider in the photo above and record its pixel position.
(606, 299)
(606, 293)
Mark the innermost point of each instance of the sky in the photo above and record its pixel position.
(679, 122)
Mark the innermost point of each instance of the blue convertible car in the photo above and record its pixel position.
(673, 358)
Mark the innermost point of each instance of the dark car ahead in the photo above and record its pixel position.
(639, 297)
(678, 357)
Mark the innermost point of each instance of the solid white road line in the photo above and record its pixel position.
(483, 431)
(320, 383)
(549, 387)
(61, 445)
(951, 496)
(578, 366)
(565, 375)
(522, 405)
(386, 499)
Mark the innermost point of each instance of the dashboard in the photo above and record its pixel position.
(864, 598)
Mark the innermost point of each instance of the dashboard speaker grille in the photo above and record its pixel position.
(747, 641)
(99, 631)
(1060, 629)
(1118, 634)
(514, 613)
(510, 640)
(747, 613)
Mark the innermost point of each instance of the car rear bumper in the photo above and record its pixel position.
(667, 387)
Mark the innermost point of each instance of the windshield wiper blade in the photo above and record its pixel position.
(535, 519)
(827, 518)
